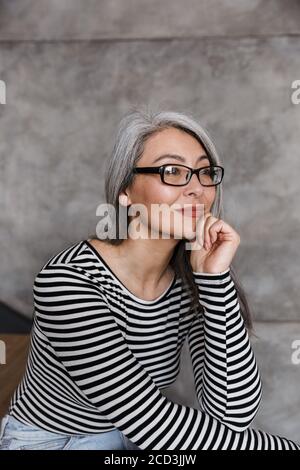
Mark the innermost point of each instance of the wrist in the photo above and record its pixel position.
(210, 272)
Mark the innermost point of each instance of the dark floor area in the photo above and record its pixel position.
(12, 321)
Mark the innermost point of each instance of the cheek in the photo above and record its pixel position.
(155, 193)
(164, 194)
(150, 194)
(211, 196)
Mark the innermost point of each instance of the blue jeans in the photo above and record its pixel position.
(15, 435)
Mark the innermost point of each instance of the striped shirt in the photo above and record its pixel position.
(99, 357)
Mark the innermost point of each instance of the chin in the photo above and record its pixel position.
(184, 236)
(191, 237)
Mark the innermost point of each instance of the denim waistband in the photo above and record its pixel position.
(3, 425)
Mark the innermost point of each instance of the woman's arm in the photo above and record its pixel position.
(84, 335)
(226, 376)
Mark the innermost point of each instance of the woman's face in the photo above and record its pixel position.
(149, 190)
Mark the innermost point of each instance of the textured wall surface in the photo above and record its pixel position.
(74, 68)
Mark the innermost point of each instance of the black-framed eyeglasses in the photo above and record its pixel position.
(180, 175)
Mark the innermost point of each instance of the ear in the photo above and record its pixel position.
(124, 199)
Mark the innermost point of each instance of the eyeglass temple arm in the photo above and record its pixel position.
(147, 169)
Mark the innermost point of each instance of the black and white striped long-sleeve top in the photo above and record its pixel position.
(99, 357)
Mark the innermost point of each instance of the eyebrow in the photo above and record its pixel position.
(179, 157)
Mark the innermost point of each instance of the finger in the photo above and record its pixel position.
(221, 228)
(208, 223)
(215, 229)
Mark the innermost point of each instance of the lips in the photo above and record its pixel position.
(191, 211)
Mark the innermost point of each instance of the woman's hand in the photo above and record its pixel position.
(220, 242)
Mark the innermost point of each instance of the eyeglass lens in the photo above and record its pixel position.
(174, 174)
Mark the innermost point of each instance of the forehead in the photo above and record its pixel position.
(172, 140)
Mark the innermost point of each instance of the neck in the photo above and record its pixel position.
(147, 260)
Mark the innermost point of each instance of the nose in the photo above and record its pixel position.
(194, 186)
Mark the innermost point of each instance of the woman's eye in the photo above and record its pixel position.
(172, 170)
(209, 172)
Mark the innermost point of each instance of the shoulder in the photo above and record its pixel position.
(61, 288)
(106, 251)
(67, 255)
(66, 266)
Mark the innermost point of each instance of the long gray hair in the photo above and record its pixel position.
(134, 129)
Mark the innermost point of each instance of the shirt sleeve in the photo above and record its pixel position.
(227, 379)
(84, 334)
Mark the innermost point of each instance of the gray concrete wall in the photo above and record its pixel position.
(74, 68)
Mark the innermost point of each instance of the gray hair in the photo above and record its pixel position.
(133, 131)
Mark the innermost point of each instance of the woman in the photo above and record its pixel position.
(111, 315)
